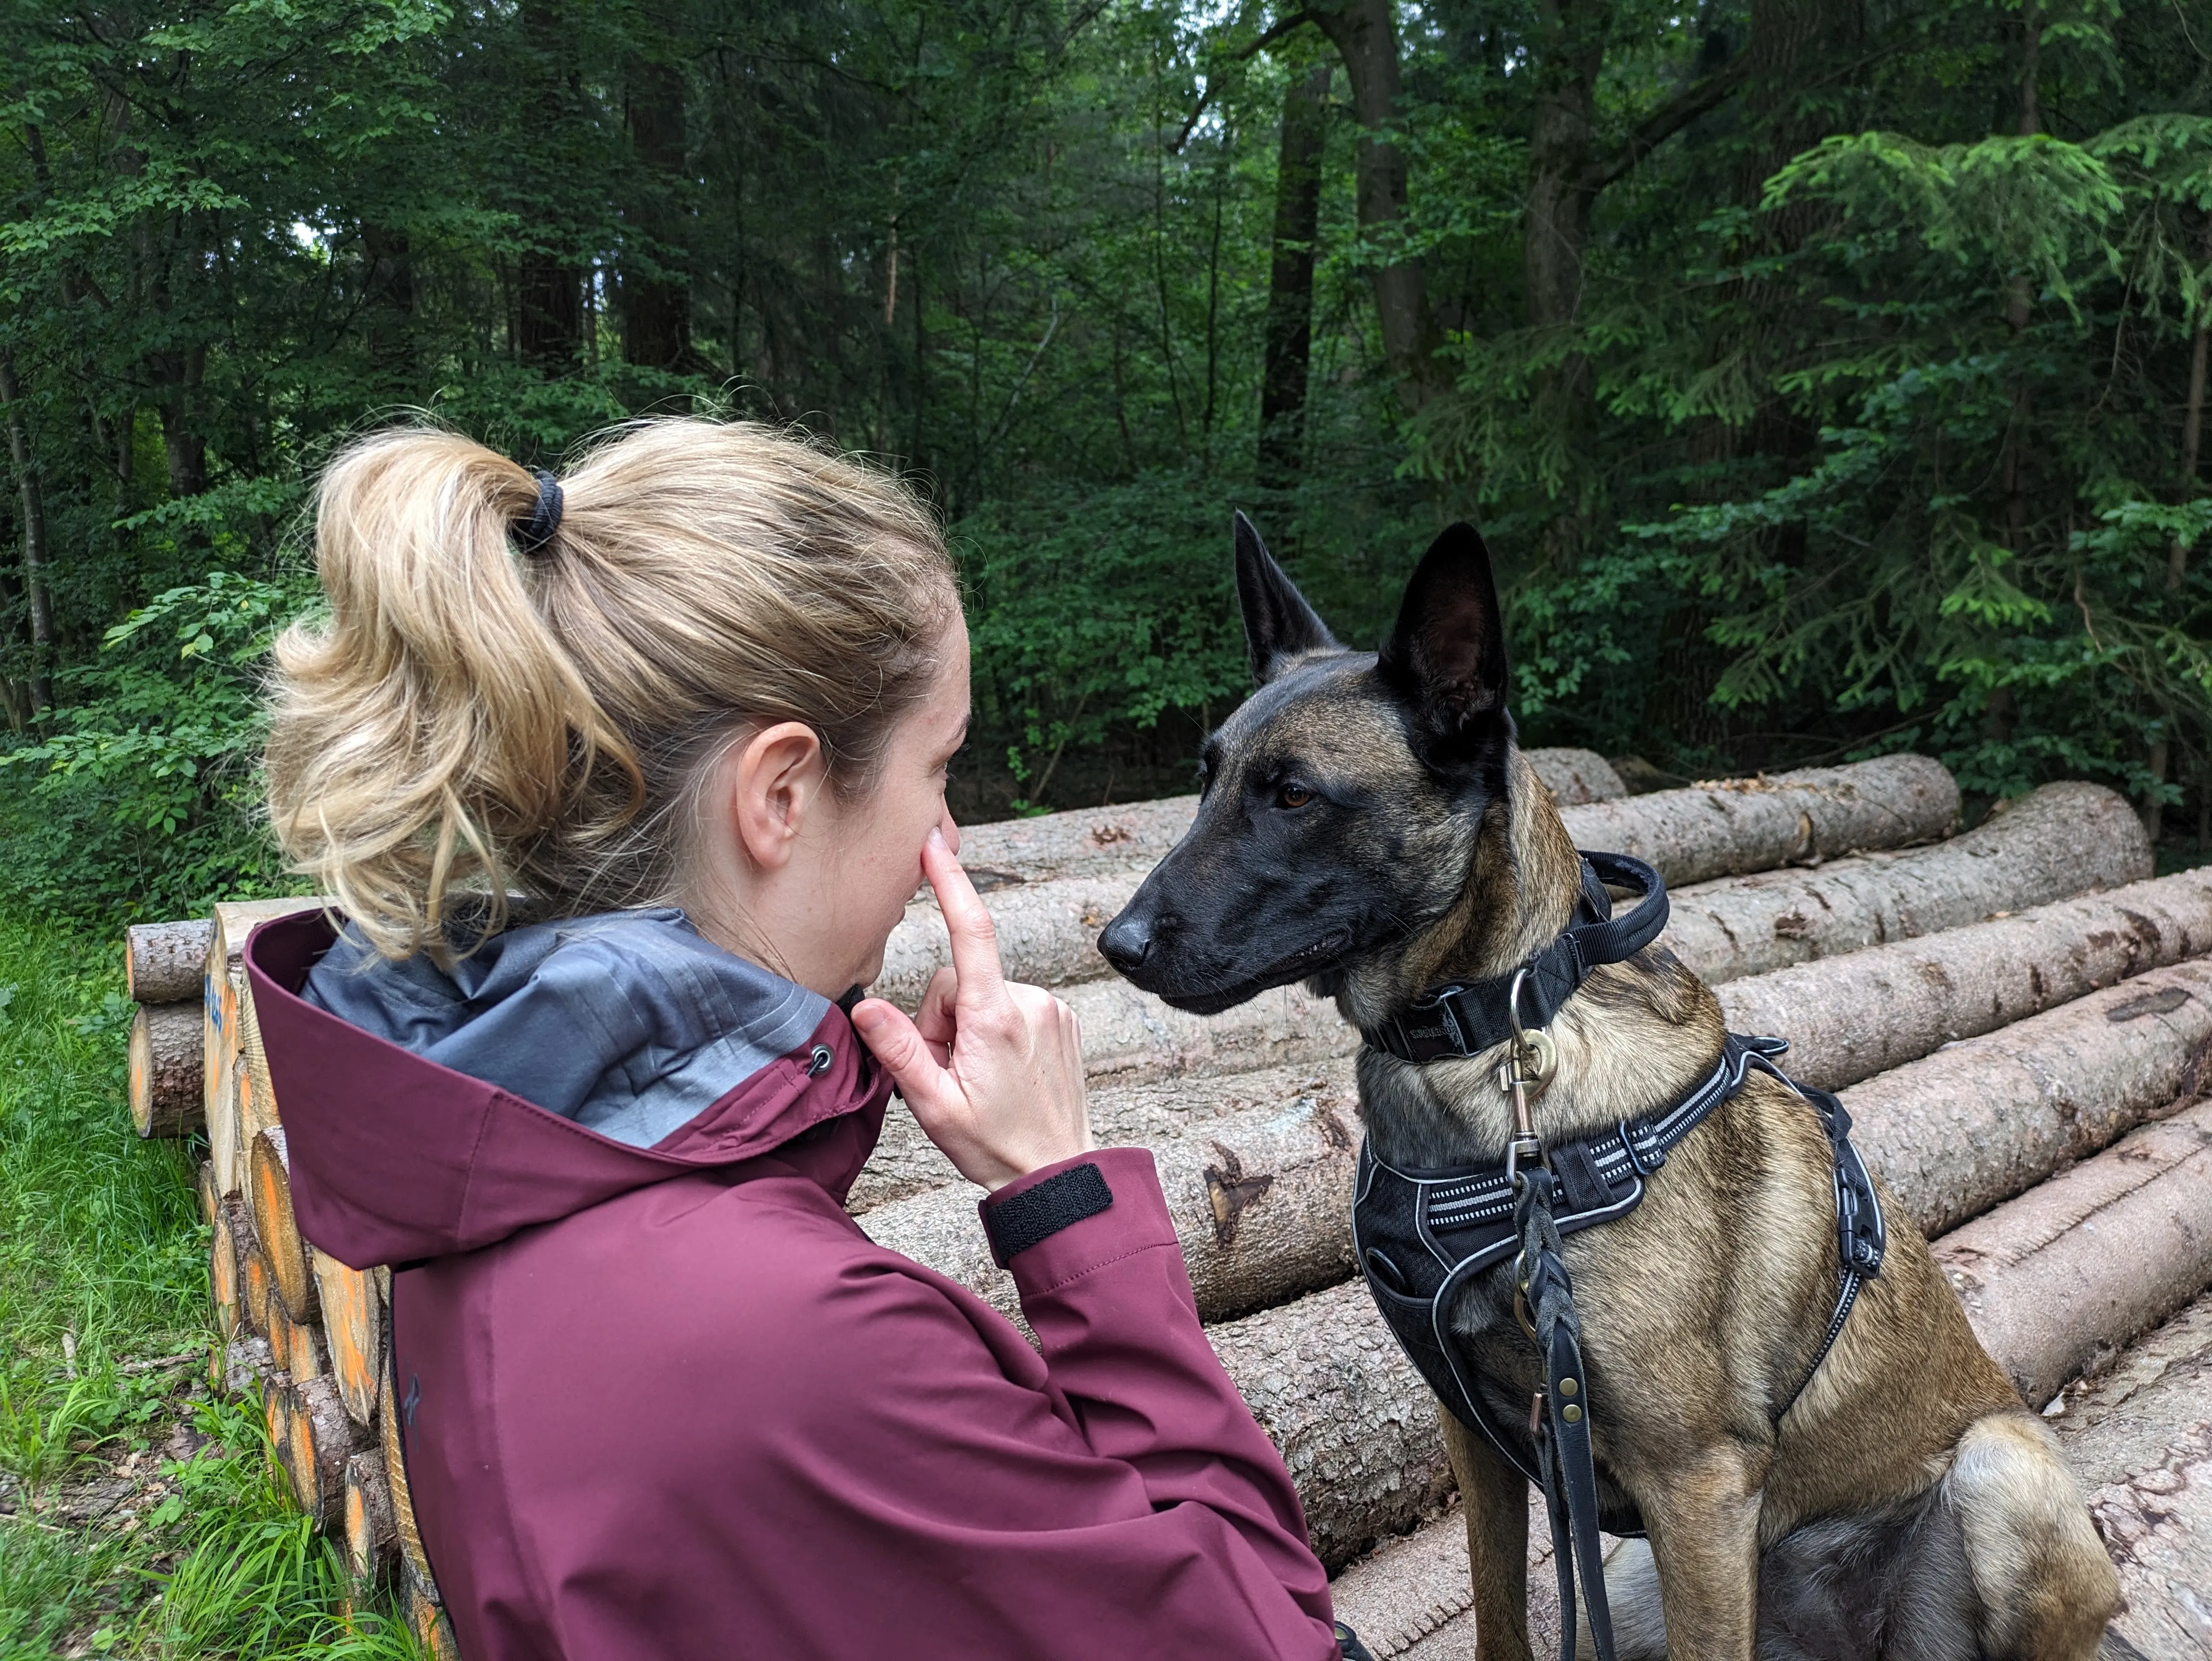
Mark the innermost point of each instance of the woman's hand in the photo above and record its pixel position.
(993, 1070)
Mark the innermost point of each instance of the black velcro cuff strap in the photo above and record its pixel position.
(1015, 1224)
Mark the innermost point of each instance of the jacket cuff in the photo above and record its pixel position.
(1057, 1223)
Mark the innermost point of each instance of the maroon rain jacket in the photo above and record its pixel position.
(673, 1402)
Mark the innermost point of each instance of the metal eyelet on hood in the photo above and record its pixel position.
(819, 1062)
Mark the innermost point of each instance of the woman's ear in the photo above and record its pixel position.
(774, 786)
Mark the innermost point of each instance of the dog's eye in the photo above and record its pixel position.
(1293, 795)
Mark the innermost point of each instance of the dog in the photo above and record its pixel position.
(1369, 827)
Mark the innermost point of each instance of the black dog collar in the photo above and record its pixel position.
(1466, 1019)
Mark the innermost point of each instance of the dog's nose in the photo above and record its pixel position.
(1127, 941)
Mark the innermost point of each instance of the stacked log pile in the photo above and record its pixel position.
(303, 1329)
(2018, 1018)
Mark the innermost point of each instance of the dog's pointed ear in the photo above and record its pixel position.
(1447, 654)
(1278, 621)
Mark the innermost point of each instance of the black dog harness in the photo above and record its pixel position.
(1422, 1236)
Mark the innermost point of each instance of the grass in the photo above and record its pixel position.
(138, 1516)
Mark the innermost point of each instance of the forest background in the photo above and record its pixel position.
(1827, 375)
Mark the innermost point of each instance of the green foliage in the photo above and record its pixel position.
(1853, 432)
(148, 780)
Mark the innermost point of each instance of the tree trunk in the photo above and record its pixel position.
(2091, 1259)
(1130, 1037)
(389, 295)
(2062, 841)
(1255, 1167)
(656, 297)
(1290, 277)
(1849, 1018)
(178, 374)
(164, 1070)
(1968, 1127)
(549, 324)
(32, 509)
(166, 962)
(2177, 553)
(1356, 1424)
(548, 329)
(1365, 35)
(1555, 225)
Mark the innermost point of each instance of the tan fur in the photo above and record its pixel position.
(1701, 1310)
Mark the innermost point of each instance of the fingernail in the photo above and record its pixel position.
(866, 1019)
(937, 837)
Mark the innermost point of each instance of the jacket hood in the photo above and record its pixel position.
(427, 1113)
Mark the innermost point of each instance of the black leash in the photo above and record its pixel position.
(1422, 1236)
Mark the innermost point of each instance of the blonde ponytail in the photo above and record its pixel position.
(472, 718)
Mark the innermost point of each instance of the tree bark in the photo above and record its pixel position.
(656, 296)
(1849, 1018)
(2089, 1260)
(1734, 827)
(1290, 277)
(548, 323)
(1257, 1198)
(2177, 553)
(2061, 840)
(1970, 1126)
(32, 505)
(1356, 1424)
(1569, 57)
(1365, 35)
(164, 1070)
(2139, 1435)
(166, 962)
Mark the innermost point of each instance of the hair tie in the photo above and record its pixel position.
(532, 534)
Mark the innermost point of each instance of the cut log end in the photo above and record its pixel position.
(371, 1533)
(353, 1332)
(165, 1097)
(268, 1195)
(322, 1440)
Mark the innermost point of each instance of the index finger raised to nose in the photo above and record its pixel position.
(974, 937)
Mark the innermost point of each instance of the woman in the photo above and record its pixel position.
(620, 784)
